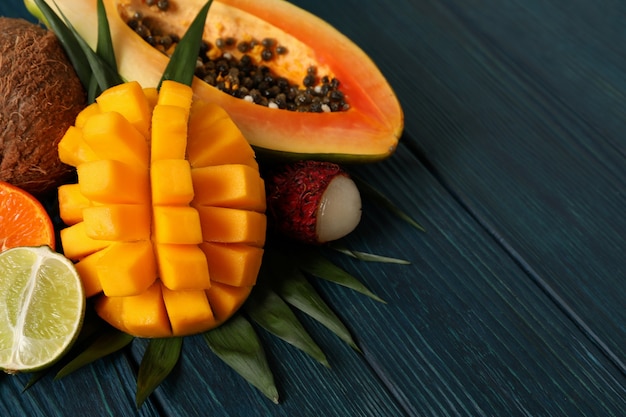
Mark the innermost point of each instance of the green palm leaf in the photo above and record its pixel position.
(367, 257)
(295, 289)
(109, 341)
(182, 64)
(237, 344)
(313, 262)
(268, 310)
(157, 362)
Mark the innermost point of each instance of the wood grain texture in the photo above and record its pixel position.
(513, 160)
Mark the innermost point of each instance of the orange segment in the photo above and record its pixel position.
(23, 220)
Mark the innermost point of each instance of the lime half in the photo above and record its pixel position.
(42, 305)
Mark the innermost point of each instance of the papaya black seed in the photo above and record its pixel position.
(336, 95)
(247, 77)
(309, 81)
(267, 54)
(268, 42)
(316, 107)
(243, 46)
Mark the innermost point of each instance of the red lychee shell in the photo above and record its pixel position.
(294, 192)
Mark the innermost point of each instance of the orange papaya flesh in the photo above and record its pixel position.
(369, 130)
(144, 246)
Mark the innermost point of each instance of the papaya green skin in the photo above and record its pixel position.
(368, 132)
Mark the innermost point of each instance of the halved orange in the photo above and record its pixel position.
(23, 219)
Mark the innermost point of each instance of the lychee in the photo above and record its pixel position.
(312, 201)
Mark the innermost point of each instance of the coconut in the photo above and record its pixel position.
(40, 96)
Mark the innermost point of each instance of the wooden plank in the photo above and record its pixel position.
(104, 389)
(521, 117)
(473, 334)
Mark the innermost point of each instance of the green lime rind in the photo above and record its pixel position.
(44, 304)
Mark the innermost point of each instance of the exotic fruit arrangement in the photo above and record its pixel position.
(204, 145)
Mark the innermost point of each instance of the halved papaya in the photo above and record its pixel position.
(366, 129)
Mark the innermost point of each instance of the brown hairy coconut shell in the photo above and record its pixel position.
(40, 96)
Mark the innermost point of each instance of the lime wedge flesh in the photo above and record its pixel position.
(42, 306)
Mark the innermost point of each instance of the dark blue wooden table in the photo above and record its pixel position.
(514, 161)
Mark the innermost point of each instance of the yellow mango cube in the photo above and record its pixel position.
(111, 309)
(188, 310)
(73, 150)
(173, 93)
(110, 181)
(121, 222)
(182, 267)
(232, 185)
(129, 100)
(86, 113)
(171, 183)
(76, 243)
(220, 224)
(126, 268)
(142, 315)
(152, 96)
(233, 264)
(214, 139)
(176, 224)
(88, 273)
(225, 300)
(111, 136)
(169, 132)
(71, 203)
